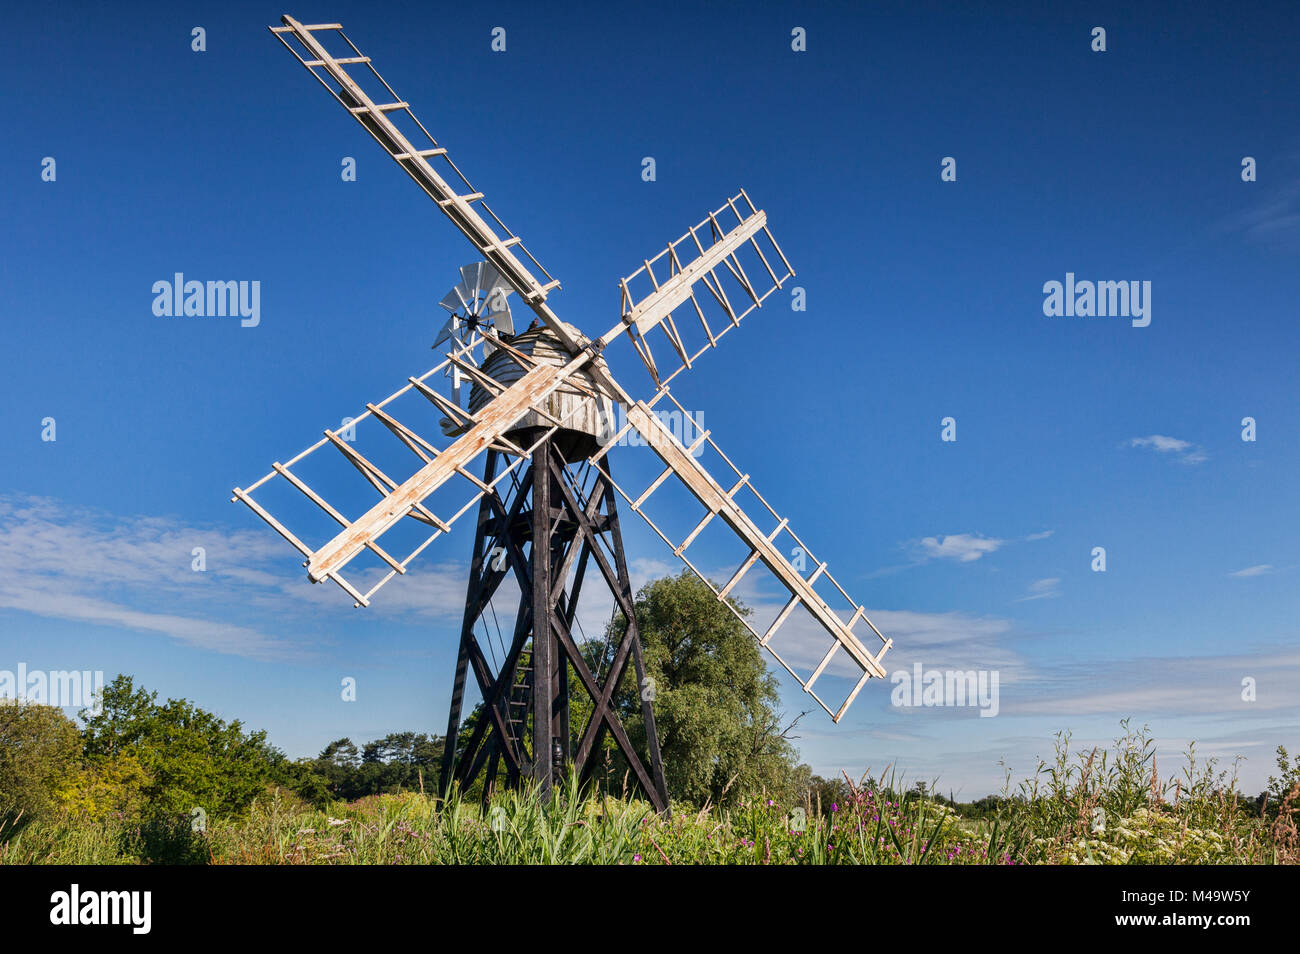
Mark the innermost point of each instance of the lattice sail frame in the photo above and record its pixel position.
(713, 264)
(425, 449)
(681, 461)
(704, 265)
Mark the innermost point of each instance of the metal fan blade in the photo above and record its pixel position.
(471, 281)
(503, 321)
(447, 333)
(453, 301)
(720, 503)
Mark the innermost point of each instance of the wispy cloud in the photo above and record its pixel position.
(72, 563)
(1044, 589)
(1165, 685)
(1274, 218)
(1185, 452)
(1258, 569)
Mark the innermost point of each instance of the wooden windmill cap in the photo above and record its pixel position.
(583, 415)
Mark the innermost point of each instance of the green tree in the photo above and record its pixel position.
(399, 761)
(715, 703)
(193, 759)
(39, 748)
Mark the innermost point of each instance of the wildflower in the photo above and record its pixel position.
(636, 859)
(834, 807)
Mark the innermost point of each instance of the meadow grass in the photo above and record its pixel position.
(1097, 807)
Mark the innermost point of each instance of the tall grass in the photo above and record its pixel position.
(1082, 808)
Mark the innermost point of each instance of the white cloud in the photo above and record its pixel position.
(963, 547)
(1185, 451)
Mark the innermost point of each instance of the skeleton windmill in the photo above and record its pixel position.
(525, 448)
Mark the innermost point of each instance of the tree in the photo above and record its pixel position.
(401, 760)
(715, 703)
(39, 746)
(193, 759)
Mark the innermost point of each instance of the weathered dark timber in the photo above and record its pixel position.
(523, 728)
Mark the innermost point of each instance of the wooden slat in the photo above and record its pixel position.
(321, 502)
(383, 108)
(780, 619)
(853, 695)
(422, 153)
(749, 562)
(340, 59)
(835, 647)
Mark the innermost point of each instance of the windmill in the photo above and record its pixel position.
(526, 449)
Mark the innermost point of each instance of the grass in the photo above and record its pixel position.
(1097, 807)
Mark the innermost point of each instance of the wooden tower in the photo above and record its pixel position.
(551, 530)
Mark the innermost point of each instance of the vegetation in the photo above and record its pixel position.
(1052, 818)
(715, 702)
(150, 782)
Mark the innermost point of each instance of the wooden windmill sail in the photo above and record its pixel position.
(526, 448)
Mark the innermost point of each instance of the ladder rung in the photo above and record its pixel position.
(423, 153)
(708, 516)
(385, 108)
(499, 246)
(807, 686)
(541, 292)
(753, 554)
(308, 27)
(658, 482)
(342, 59)
(781, 617)
(740, 571)
(695, 445)
(852, 695)
(472, 197)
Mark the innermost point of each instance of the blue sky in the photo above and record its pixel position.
(925, 300)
